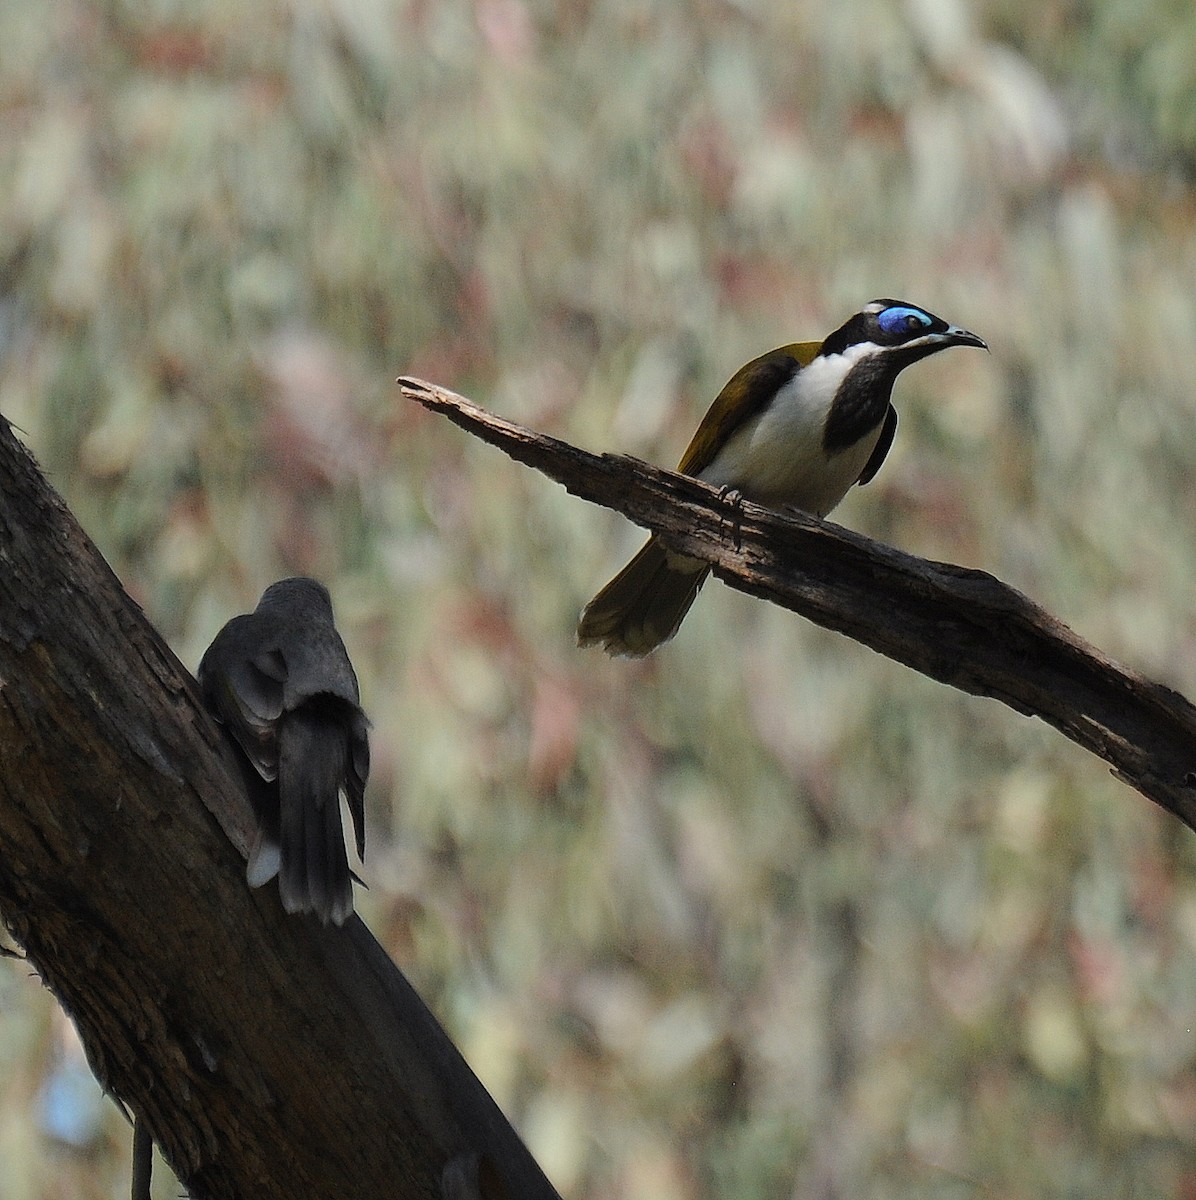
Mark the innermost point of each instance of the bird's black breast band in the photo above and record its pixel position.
(860, 404)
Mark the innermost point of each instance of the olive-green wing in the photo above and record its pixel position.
(745, 394)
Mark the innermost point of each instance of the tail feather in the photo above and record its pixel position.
(644, 604)
(314, 871)
(264, 861)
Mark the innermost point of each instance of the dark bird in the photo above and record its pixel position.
(794, 428)
(280, 682)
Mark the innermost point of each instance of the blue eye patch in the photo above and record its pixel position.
(901, 321)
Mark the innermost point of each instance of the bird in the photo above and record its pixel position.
(280, 682)
(792, 429)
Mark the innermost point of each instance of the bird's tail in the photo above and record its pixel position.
(644, 604)
(313, 868)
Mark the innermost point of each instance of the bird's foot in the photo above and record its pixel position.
(732, 497)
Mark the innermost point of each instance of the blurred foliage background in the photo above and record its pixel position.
(765, 915)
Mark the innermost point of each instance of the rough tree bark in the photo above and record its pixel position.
(957, 625)
(269, 1057)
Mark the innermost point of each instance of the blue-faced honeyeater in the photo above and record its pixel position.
(794, 428)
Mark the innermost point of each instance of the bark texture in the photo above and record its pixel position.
(960, 626)
(268, 1056)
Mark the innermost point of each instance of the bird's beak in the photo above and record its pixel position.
(955, 336)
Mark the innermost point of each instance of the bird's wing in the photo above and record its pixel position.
(888, 431)
(242, 684)
(356, 773)
(745, 394)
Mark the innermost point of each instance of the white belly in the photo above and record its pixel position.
(777, 458)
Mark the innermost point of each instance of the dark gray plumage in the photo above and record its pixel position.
(280, 682)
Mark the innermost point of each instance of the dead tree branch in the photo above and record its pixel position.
(960, 626)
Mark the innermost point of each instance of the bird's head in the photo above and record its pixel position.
(898, 333)
(298, 598)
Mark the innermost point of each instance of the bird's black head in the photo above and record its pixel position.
(901, 333)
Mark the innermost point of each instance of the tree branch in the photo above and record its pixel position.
(268, 1056)
(962, 627)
